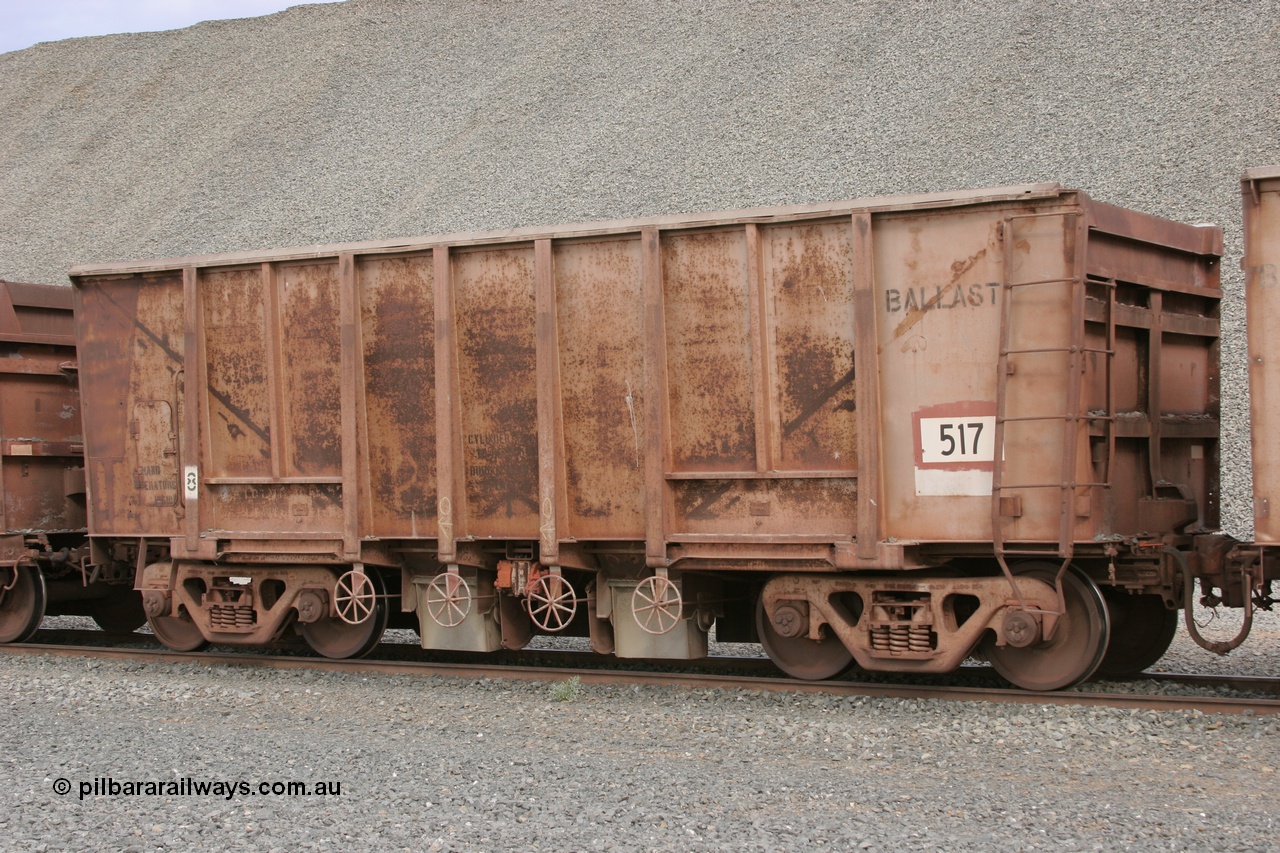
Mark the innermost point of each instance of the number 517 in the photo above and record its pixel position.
(965, 437)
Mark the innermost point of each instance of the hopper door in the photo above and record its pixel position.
(1039, 401)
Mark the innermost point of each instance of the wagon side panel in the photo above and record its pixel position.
(397, 317)
(496, 356)
(602, 396)
(760, 382)
(271, 407)
(939, 279)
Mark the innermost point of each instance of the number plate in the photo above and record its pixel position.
(957, 440)
(955, 449)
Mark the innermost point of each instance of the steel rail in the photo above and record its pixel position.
(1161, 703)
(1242, 683)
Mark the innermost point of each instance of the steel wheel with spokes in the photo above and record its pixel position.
(656, 604)
(448, 599)
(354, 597)
(551, 602)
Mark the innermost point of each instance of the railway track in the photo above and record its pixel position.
(1250, 695)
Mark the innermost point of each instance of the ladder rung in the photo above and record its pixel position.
(1076, 288)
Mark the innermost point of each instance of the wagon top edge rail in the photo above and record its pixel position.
(1105, 217)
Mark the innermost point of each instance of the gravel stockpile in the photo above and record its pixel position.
(383, 118)
(445, 764)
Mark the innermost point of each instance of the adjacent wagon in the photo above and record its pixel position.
(43, 542)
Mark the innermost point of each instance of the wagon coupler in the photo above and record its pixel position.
(1248, 581)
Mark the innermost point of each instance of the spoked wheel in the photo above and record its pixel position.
(448, 599)
(656, 604)
(120, 611)
(22, 604)
(1078, 644)
(551, 602)
(354, 597)
(177, 632)
(333, 637)
(1142, 629)
(800, 657)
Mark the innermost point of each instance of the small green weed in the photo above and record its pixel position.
(568, 690)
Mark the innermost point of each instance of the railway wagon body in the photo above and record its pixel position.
(42, 516)
(882, 432)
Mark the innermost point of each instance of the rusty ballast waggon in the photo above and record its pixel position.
(43, 543)
(782, 423)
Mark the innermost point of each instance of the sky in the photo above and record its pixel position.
(25, 22)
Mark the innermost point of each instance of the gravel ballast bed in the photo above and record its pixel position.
(454, 764)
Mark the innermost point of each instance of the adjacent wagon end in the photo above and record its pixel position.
(43, 545)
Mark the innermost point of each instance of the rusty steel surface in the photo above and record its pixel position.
(568, 401)
(41, 442)
(1260, 191)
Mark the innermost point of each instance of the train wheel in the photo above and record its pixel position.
(333, 637)
(1142, 629)
(22, 604)
(177, 632)
(800, 657)
(1078, 644)
(120, 611)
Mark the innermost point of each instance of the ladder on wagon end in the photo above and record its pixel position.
(1020, 397)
